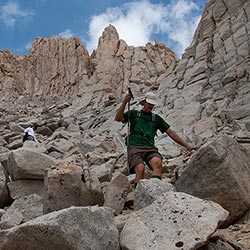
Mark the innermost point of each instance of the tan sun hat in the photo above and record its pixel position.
(150, 98)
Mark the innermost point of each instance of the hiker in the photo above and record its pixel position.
(143, 128)
(29, 135)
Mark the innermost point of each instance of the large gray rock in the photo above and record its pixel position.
(174, 221)
(220, 172)
(68, 185)
(62, 144)
(35, 146)
(2, 212)
(149, 190)
(15, 144)
(102, 171)
(4, 156)
(117, 192)
(2, 142)
(22, 210)
(14, 127)
(223, 244)
(238, 234)
(28, 164)
(25, 187)
(4, 192)
(74, 228)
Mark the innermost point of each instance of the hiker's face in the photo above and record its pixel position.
(148, 107)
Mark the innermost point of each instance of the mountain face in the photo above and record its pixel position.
(61, 70)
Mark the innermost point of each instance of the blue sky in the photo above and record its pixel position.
(172, 22)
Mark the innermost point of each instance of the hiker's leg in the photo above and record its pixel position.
(30, 138)
(135, 162)
(139, 172)
(156, 164)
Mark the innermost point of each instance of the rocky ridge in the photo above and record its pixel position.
(58, 70)
(72, 98)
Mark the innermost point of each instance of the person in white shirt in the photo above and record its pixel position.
(29, 135)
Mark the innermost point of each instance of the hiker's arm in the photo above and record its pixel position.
(171, 133)
(119, 114)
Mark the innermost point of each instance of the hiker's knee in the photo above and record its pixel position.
(156, 163)
(140, 168)
(139, 171)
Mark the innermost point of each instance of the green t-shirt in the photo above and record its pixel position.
(143, 127)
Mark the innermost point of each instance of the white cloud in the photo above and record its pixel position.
(66, 34)
(28, 46)
(11, 12)
(139, 22)
(183, 23)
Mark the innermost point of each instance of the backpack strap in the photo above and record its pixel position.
(153, 117)
(138, 115)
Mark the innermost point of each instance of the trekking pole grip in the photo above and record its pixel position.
(130, 92)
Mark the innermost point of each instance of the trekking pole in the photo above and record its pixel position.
(128, 122)
(130, 92)
(128, 134)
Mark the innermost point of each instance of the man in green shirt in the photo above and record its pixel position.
(141, 144)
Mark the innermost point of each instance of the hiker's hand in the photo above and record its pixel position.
(128, 97)
(192, 149)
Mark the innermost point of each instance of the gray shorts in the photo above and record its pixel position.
(138, 154)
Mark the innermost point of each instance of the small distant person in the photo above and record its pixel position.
(29, 135)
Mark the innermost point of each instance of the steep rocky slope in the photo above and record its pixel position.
(209, 87)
